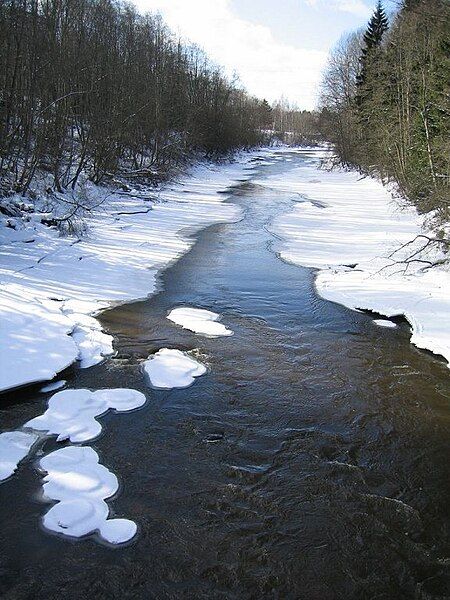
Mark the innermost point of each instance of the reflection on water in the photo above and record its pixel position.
(310, 462)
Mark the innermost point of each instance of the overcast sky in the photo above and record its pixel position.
(277, 47)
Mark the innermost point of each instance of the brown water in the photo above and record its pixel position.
(310, 463)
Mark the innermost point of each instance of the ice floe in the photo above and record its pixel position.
(80, 485)
(170, 368)
(14, 447)
(52, 387)
(198, 320)
(384, 323)
(71, 414)
(348, 229)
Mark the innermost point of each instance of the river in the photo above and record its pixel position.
(309, 463)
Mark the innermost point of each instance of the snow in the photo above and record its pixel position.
(80, 485)
(384, 323)
(93, 344)
(423, 299)
(33, 337)
(347, 227)
(118, 531)
(74, 476)
(51, 287)
(170, 368)
(71, 414)
(14, 447)
(199, 321)
(52, 387)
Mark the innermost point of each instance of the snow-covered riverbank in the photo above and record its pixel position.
(347, 227)
(343, 225)
(50, 286)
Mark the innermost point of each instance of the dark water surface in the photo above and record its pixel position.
(329, 478)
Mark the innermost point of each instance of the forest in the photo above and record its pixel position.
(93, 88)
(386, 101)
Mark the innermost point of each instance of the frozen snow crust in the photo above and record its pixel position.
(170, 368)
(14, 447)
(80, 485)
(51, 286)
(52, 387)
(385, 323)
(198, 320)
(347, 227)
(71, 414)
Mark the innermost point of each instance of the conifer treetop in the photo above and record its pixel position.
(376, 28)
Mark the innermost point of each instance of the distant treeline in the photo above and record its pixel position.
(294, 126)
(386, 100)
(92, 87)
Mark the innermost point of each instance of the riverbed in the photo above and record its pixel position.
(308, 463)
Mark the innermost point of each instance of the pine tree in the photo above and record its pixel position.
(373, 37)
(266, 117)
(376, 28)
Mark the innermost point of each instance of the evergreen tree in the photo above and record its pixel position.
(377, 26)
(397, 120)
(266, 117)
(373, 37)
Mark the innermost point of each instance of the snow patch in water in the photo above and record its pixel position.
(80, 485)
(14, 447)
(170, 368)
(71, 414)
(384, 323)
(199, 320)
(51, 387)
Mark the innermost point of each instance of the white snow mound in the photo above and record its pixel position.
(80, 485)
(198, 320)
(170, 368)
(14, 447)
(71, 414)
(52, 387)
(384, 323)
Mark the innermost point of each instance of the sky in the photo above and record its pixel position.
(276, 47)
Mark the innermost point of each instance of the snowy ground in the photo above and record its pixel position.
(347, 227)
(50, 286)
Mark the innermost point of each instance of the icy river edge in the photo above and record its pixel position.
(52, 286)
(305, 435)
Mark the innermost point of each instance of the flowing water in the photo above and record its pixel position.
(309, 463)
